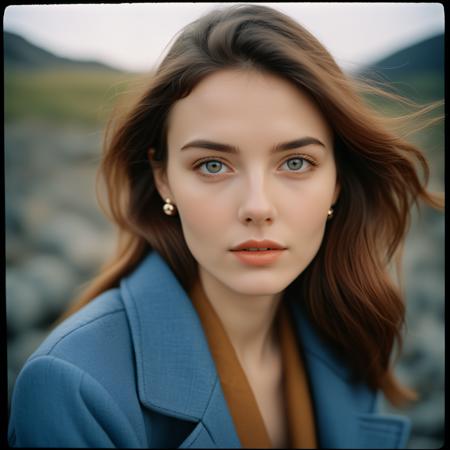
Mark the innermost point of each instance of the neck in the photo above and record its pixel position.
(248, 320)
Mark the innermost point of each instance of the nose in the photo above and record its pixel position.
(256, 206)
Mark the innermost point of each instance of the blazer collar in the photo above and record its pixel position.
(168, 338)
(177, 376)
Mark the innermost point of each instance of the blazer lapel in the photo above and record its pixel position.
(176, 374)
(344, 409)
(177, 377)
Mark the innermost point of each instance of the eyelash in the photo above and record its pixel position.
(201, 162)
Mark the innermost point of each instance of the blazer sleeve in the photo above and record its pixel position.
(56, 404)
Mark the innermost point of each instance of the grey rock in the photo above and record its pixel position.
(25, 307)
(68, 235)
(422, 442)
(45, 143)
(53, 277)
(428, 416)
(20, 348)
(429, 341)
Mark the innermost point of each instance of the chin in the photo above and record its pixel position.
(258, 285)
(251, 281)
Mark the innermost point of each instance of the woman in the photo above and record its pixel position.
(259, 203)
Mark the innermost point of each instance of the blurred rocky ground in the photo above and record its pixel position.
(56, 237)
(421, 365)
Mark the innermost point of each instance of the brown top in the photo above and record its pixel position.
(238, 393)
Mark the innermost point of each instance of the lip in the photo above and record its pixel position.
(258, 244)
(258, 257)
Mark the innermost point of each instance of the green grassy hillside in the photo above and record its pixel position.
(64, 96)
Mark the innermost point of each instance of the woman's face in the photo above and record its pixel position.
(253, 192)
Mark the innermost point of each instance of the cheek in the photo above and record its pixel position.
(202, 219)
(204, 213)
(309, 213)
(308, 210)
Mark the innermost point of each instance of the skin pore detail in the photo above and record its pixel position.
(250, 156)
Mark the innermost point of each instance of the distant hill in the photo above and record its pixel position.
(19, 53)
(424, 56)
(417, 70)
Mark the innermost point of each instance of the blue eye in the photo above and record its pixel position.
(213, 167)
(297, 163)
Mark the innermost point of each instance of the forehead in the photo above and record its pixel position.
(236, 102)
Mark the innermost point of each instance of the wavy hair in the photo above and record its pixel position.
(347, 289)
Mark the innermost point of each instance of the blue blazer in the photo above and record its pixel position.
(133, 369)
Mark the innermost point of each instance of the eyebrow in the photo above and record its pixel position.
(296, 143)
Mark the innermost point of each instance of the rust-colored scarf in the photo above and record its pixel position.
(238, 393)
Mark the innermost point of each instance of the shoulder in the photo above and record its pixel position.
(91, 330)
(83, 376)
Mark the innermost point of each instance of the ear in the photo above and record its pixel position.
(160, 176)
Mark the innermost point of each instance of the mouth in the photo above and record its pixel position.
(258, 253)
(258, 246)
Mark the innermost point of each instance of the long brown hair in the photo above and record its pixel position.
(347, 289)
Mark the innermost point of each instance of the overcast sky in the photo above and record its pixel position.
(134, 36)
